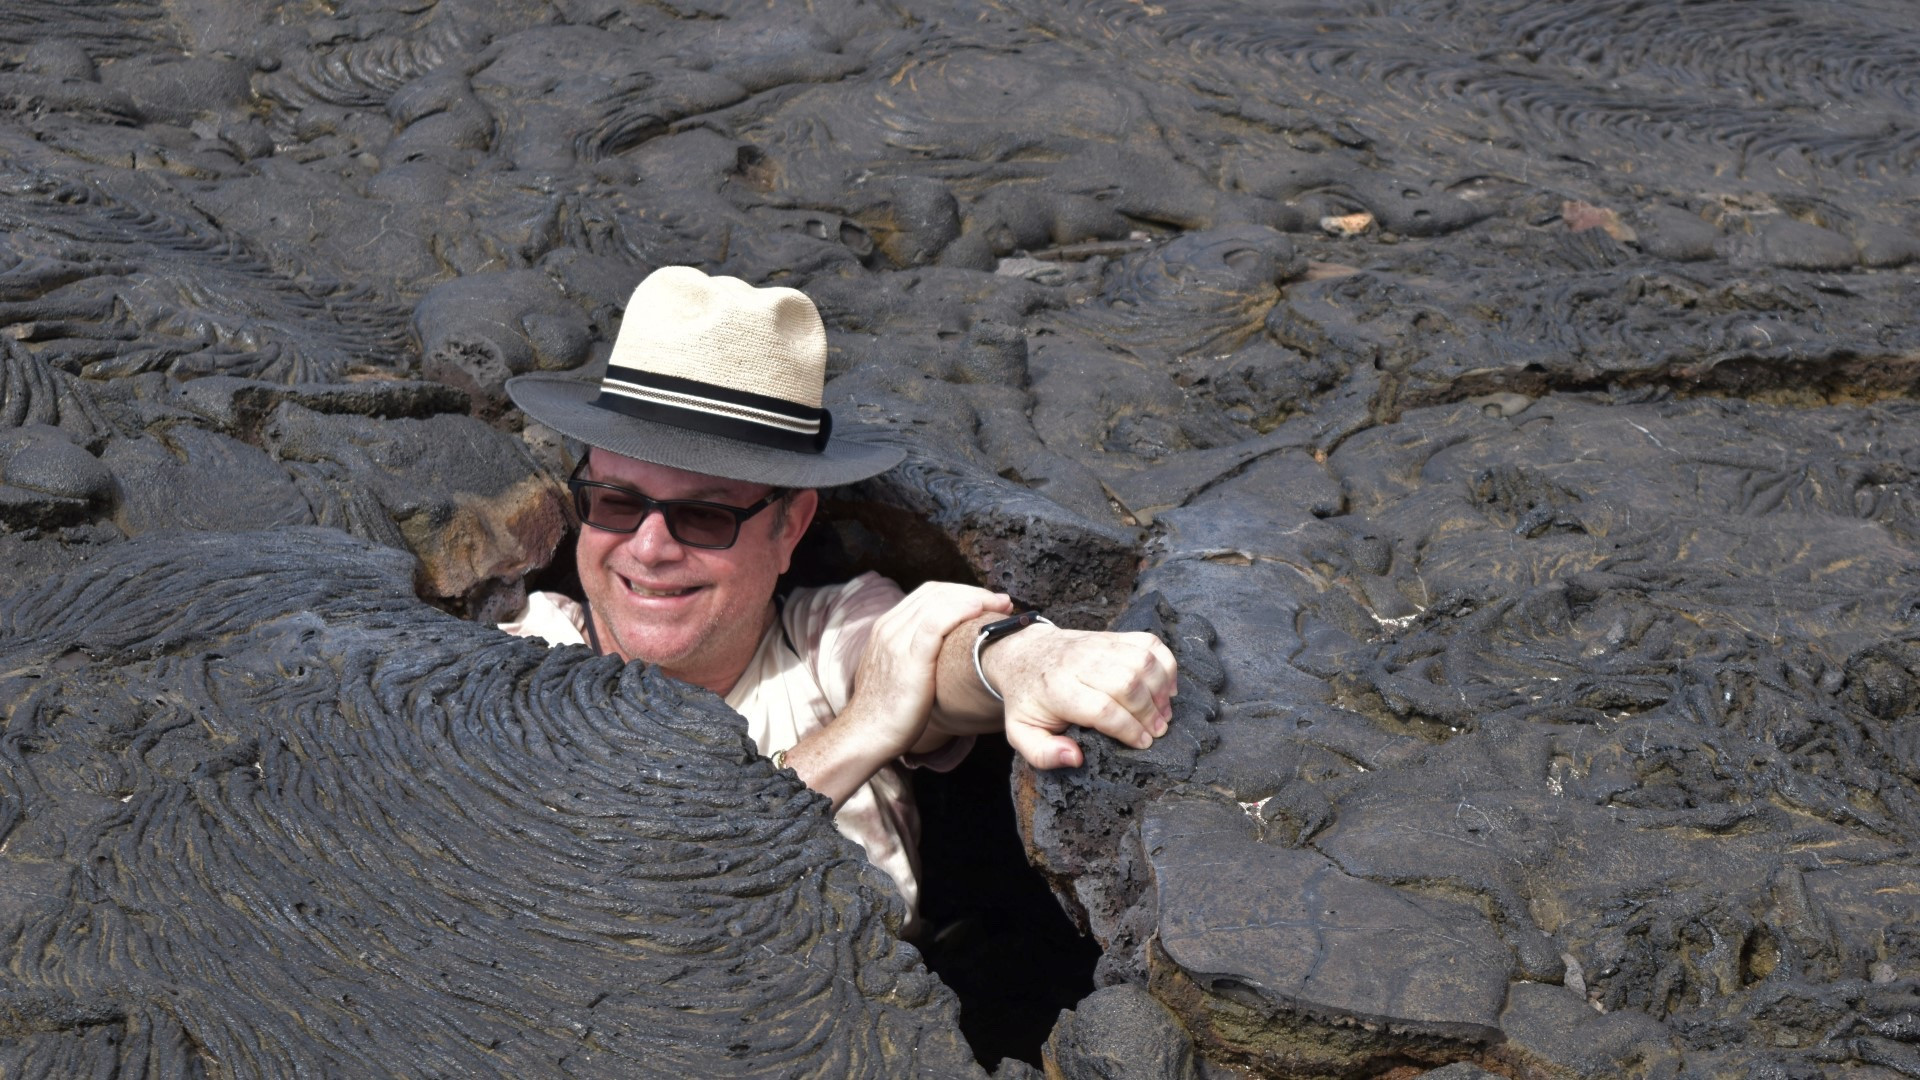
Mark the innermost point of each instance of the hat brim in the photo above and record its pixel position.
(565, 404)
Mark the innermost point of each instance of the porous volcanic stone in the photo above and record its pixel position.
(468, 502)
(44, 459)
(478, 331)
(1120, 1033)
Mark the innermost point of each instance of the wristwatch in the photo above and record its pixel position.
(993, 632)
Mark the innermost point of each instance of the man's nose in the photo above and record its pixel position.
(653, 541)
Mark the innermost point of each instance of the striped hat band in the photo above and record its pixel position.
(717, 410)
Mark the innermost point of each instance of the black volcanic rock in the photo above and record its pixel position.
(1121, 1031)
(256, 816)
(1505, 412)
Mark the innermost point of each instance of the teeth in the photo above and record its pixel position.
(638, 591)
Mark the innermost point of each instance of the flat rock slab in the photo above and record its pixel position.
(1289, 963)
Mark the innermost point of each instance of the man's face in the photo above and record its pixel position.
(696, 612)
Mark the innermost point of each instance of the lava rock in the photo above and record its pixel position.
(1120, 1033)
(466, 499)
(174, 92)
(1536, 539)
(1796, 245)
(1305, 969)
(267, 894)
(1672, 233)
(480, 330)
(43, 459)
(191, 478)
(239, 407)
(939, 516)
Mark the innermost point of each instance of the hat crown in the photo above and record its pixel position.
(724, 332)
(711, 375)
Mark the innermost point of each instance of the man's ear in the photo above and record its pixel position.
(796, 514)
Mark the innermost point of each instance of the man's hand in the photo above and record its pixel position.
(898, 677)
(893, 689)
(1119, 684)
(918, 667)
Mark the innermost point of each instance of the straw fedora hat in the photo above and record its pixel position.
(715, 376)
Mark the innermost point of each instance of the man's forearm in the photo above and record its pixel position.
(837, 759)
(919, 688)
(962, 706)
(902, 668)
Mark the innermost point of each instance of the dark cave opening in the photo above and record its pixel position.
(995, 932)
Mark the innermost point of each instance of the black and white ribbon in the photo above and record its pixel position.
(717, 410)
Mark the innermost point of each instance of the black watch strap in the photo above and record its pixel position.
(993, 632)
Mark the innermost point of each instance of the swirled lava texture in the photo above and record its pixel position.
(268, 815)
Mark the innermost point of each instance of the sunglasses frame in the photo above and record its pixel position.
(649, 504)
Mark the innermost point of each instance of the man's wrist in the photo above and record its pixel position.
(996, 631)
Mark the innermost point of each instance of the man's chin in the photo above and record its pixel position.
(664, 651)
(646, 632)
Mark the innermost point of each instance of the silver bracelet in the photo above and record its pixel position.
(994, 631)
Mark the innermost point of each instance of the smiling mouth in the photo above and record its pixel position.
(660, 594)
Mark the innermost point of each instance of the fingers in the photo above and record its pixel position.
(895, 685)
(1164, 662)
(1136, 672)
(1043, 749)
(1097, 709)
(1035, 723)
(1121, 685)
(924, 619)
(1148, 690)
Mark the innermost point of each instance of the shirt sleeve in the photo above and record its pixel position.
(942, 759)
(830, 628)
(560, 619)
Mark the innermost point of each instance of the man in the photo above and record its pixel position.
(707, 442)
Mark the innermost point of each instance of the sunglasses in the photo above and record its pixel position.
(689, 521)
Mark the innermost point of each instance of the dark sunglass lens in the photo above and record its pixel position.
(702, 526)
(609, 509)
